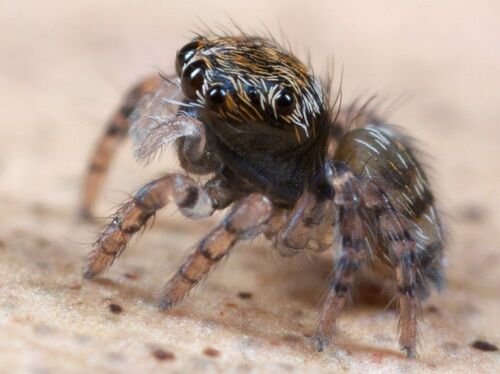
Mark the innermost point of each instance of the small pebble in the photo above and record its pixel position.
(162, 355)
(484, 346)
(245, 295)
(115, 308)
(433, 309)
(210, 352)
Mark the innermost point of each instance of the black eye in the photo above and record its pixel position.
(216, 96)
(284, 101)
(185, 54)
(253, 95)
(192, 79)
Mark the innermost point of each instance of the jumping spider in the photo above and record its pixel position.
(256, 127)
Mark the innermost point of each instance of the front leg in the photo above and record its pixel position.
(246, 219)
(116, 131)
(192, 199)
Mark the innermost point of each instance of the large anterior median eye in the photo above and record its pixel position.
(185, 54)
(284, 101)
(192, 79)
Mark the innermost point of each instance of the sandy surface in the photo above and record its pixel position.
(63, 67)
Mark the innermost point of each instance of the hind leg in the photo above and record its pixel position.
(397, 201)
(116, 130)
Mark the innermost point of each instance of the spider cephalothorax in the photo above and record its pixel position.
(264, 108)
(254, 125)
(249, 81)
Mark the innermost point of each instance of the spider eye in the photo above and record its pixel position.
(284, 101)
(185, 54)
(216, 96)
(192, 79)
(253, 95)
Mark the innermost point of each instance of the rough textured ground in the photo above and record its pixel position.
(63, 68)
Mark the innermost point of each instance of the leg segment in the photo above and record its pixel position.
(351, 257)
(309, 224)
(116, 131)
(245, 220)
(403, 256)
(193, 201)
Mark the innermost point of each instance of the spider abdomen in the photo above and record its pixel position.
(394, 184)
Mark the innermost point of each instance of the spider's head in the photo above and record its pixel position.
(249, 87)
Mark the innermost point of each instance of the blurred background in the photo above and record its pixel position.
(435, 67)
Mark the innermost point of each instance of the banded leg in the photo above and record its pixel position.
(351, 257)
(116, 131)
(246, 220)
(192, 199)
(403, 256)
(400, 205)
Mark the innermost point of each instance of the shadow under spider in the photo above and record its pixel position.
(306, 279)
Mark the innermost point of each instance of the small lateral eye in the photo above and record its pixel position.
(185, 54)
(284, 101)
(253, 95)
(216, 96)
(192, 79)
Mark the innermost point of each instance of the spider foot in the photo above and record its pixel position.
(86, 215)
(165, 303)
(409, 352)
(320, 341)
(88, 273)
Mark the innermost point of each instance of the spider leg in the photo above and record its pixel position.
(402, 250)
(192, 199)
(309, 224)
(400, 215)
(351, 256)
(246, 219)
(398, 236)
(116, 130)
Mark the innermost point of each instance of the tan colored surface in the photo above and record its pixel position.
(63, 68)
